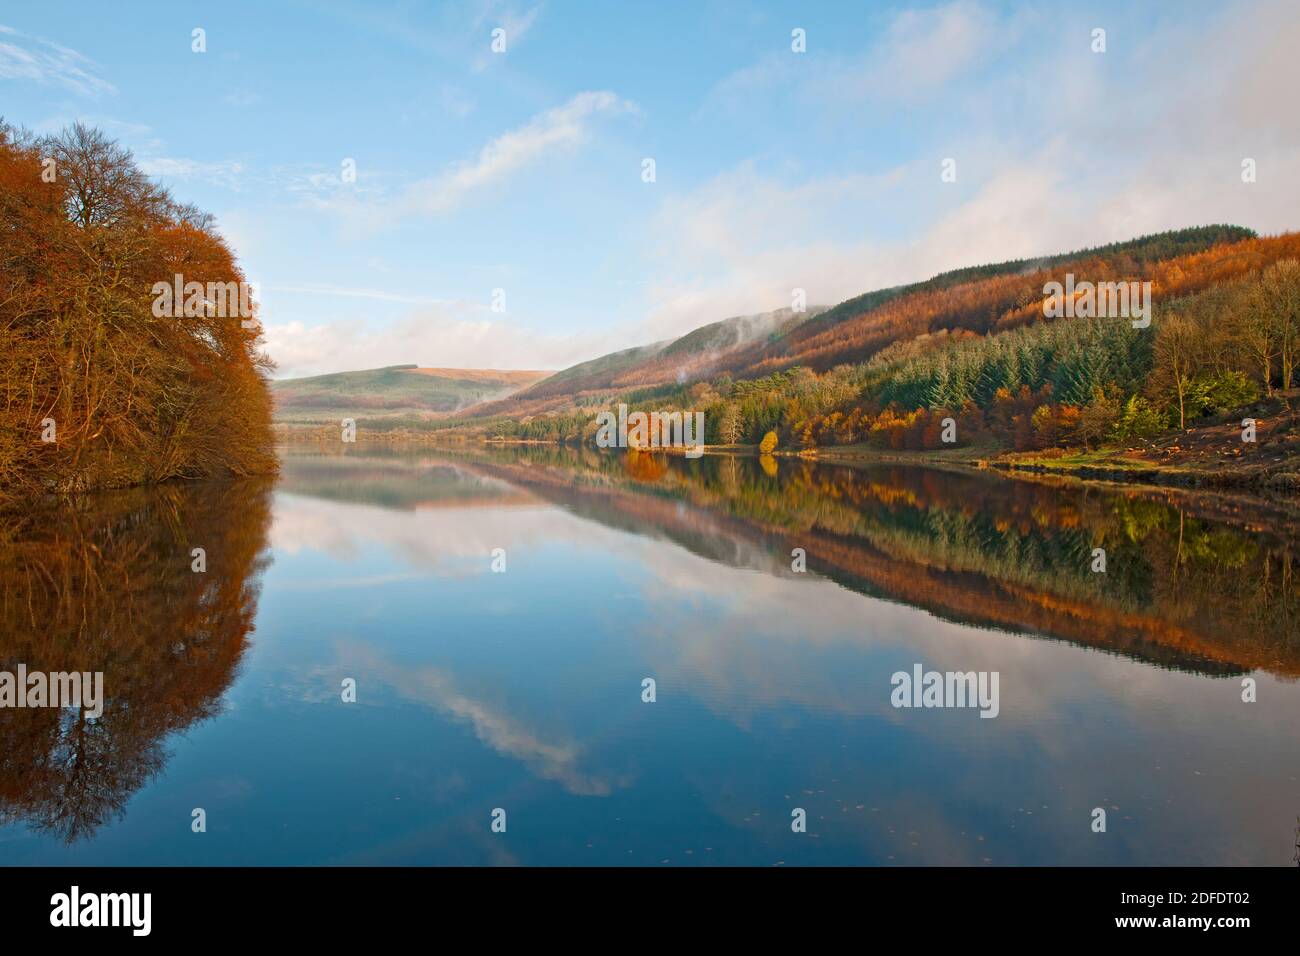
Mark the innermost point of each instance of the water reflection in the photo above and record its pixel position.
(105, 584)
(777, 682)
(522, 690)
(1178, 590)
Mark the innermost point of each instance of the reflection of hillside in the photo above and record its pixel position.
(105, 584)
(379, 477)
(1180, 592)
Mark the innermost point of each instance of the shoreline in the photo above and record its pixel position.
(1272, 489)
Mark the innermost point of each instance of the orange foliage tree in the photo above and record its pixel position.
(98, 390)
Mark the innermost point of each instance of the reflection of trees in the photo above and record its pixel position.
(104, 583)
(1179, 590)
(644, 465)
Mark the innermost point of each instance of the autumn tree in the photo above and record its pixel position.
(99, 390)
(1278, 298)
(729, 424)
(1179, 350)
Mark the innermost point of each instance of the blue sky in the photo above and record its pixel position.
(775, 170)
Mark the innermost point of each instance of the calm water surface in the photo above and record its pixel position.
(522, 690)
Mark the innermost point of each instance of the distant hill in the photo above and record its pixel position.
(398, 391)
(691, 357)
(597, 372)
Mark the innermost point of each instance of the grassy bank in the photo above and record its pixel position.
(1222, 453)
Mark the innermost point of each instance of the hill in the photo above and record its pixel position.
(693, 356)
(395, 392)
(925, 316)
(978, 346)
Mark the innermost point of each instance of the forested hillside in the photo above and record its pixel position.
(977, 345)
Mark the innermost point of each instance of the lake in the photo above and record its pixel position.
(498, 612)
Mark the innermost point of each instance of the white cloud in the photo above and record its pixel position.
(553, 131)
(449, 335)
(26, 57)
(920, 53)
(226, 173)
(1104, 148)
(742, 242)
(493, 14)
(925, 49)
